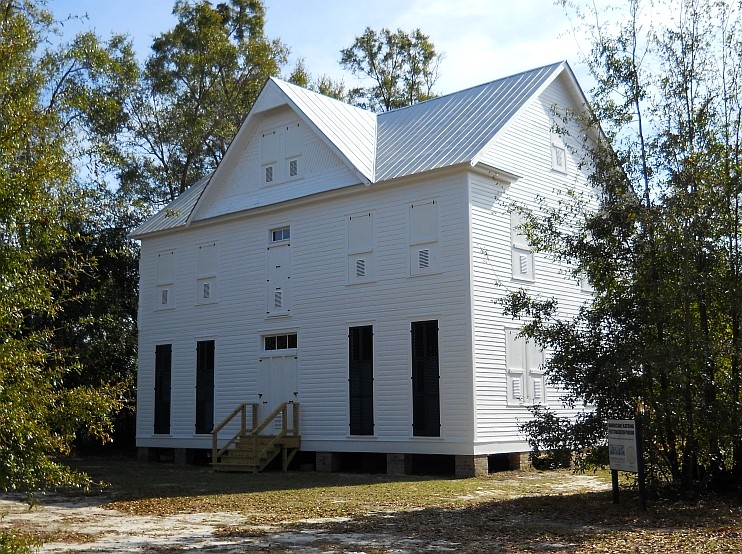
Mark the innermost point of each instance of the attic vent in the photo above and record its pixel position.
(523, 261)
(423, 258)
(278, 298)
(269, 174)
(515, 383)
(537, 390)
(293, 168)
(361, 267)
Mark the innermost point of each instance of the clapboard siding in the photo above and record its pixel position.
(324, 306)
(471, 272)
(523, 148)
(243, 187)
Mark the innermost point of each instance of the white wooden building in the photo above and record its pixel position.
(350, 262)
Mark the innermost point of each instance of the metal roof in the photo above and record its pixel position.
(441, 132)
(176, 213)
(451, 129)
(350, 129)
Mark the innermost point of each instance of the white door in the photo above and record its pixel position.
(277, 384)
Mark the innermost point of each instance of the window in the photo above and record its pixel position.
(522, 255)
(361, 380)
(207, 265)
(360, 248)
(278, 273)
(279, 342)
(423, 229)
(165, 280)
(281, 149)
(585, 285)
(525, 378)
(277, 235)
(558, 154)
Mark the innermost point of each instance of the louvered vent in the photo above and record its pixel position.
(163, 297)
(207, 290)
(516, 388)
(537, 389)
(278, 298)
(523, 260)
(361, 267)
(423, 258)
(293, 168)
(269, 174)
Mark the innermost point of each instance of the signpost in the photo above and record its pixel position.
(625, 453)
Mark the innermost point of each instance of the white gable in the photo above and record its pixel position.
(282, 158)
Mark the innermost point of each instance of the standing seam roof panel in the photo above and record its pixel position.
(451, 129)
(352, 130)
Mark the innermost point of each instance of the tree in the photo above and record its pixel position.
(661, 338)
(402, 66)
(39, 414)
(323, 84)
(195, 90)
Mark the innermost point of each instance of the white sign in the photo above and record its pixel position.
(622, 447)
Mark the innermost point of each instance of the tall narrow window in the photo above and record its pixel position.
(163, 359)
(165, 294)
(207, 263)
(522, 255)
(426, 411)
(278, 272)
(204, 386)
(423, 229)
(360, 248)
(361, 380)
(558, 154)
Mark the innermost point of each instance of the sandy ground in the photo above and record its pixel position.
(85, 525)
(90, 528)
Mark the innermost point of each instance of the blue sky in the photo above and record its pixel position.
(482, 39)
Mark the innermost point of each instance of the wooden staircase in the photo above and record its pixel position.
(253, 447)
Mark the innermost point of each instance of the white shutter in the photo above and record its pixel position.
(166, 267)
(360, 233)
(423, 221)
(269, 148)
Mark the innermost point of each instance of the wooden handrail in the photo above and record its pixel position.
(255, 428)
(242, 410)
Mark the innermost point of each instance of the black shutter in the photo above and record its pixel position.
(204, 386)
(361, 380)
(163, 360)
(426, 412)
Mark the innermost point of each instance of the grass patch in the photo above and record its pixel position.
(527, 511)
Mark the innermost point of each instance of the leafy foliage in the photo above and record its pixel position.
(661, 339)
(39, 414)
(403, 67)
(195, 90)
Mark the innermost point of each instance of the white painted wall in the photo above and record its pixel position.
(473, 253)
(524, 148)
(323, 308)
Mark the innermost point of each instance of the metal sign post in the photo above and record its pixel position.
(625, 454)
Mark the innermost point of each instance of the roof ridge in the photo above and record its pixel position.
(480, 85)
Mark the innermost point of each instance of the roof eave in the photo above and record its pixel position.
(500, 175)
